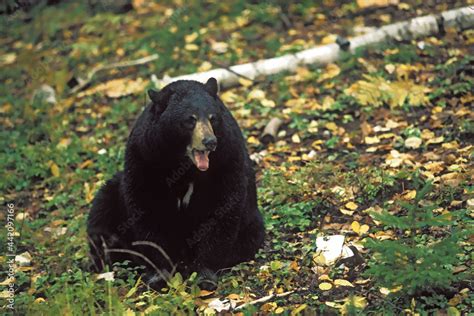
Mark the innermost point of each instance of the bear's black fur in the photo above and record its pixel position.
(204, 220)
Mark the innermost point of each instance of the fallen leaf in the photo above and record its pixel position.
(298, 310)
(342, 282)
(409, 195)
(107, 276)
(331, 71)
(219, 47)
(352, 206)
(191, 47)
(296, 139)
(191, 37)
(256, 94)
(346, 212)
(117, 88)
(55, 170)
(375, 3)
(350, 302)
(245, 82)
(413, 142)
(268, 103)
(23, 259)
(331, 126)
(325, 286)
(372, 140)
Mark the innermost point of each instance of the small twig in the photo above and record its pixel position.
(161, 250)
(263, 299)
(98, 253)
(221, 65)
(135, 253)
(120, 64)
(286, 21)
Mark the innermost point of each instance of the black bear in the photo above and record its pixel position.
(188, 186)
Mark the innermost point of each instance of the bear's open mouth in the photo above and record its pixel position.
(201, 159)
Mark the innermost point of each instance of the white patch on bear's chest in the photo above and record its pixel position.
(184, 202)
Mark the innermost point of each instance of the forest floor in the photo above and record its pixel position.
(358, 137)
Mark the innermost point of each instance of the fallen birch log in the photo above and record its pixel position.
(462, 18)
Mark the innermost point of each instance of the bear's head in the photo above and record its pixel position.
(187, 114)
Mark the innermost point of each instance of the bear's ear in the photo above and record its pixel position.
(154, 95)
(159, 99)
(212, 86)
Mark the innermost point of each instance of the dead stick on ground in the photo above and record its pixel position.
(271, 130)
(215, 63)
(120, 64)
(263, 299)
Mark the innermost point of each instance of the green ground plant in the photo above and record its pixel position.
(415, 264)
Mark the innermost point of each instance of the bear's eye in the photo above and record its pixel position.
(190, 121)
(212, 118)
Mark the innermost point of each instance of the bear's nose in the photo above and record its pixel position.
(210, 142)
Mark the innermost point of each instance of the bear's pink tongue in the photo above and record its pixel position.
(201, 159)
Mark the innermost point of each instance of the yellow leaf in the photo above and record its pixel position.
(279, 310)
(451, 145)
(375, 3)
(319, 259)
(256, 94)
(386, 291)
(353, 301)
(375, 91)
(363, 229)
(64, 142)
(331, 71)
(296, 139)
(245, 82)
(329, 39)
(331, 126)
(7, 59)
(352, 206)
(191, 37)
(233, 296)
(435, 140)
(268, 307)
(294, 266)
(346, 212)
(298, 310)
(88, 192)
(191, 47)
(410, 195)
(229, 96)
(325, 286)
(55, 170)
(342, 282)
(253, 140)
(328, 102)
(117, 88)
(355, 226)
(372, 140)
(268, 103)
(324, 277)
(205, 66)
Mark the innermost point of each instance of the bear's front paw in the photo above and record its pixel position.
(156, 280)
(207, 280)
